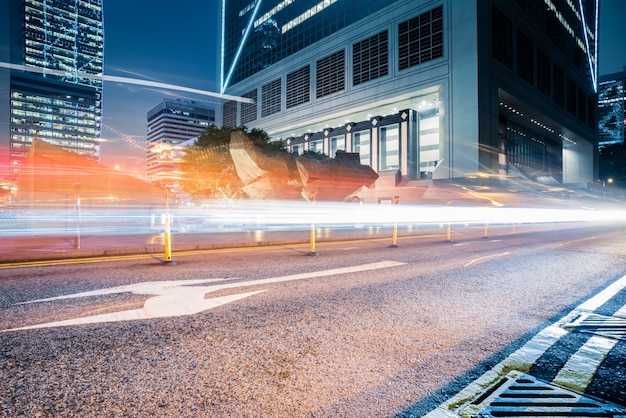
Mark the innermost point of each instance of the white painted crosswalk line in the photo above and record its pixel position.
(581, 367)
(621, 313)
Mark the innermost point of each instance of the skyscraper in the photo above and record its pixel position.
(56, 52)
(171, 123)
(421, 89)
(612, 109)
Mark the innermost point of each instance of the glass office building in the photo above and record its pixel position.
(170, 124)
(420, 89)
(56, 52)
(612, 109)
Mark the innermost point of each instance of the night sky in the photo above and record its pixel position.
(156, 40)
(177, 43)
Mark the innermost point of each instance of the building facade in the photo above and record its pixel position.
(611, 105)
(423, 89)
(55, 78)
(170, 124)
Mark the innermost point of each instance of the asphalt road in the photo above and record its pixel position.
(360, 330)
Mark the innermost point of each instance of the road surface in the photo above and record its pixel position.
(363, 329)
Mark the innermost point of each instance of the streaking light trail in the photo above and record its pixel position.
(125, 80)
(244, 38)
(111, 219)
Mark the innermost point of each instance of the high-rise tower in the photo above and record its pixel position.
(56, 53)
(171, 123)
(612, 109)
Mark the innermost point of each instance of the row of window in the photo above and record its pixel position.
(389, 146)
(516, 51)
(34, 110)
(305, 28)
(384, 154)
(420, 39)
(88, 144)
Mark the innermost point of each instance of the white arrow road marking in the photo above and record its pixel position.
(178, 298)
(145, 288)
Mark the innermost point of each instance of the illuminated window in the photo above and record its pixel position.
(429, 149)
(317, 146)
(389, 148)
(361, 144)
(337, 143)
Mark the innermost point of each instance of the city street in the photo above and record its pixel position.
(363, 329)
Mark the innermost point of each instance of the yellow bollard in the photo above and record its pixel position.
(485, 235)
(168, 240)
(167, 236)
(394, 236)
(449, 226)
(312, 232)
(312, 241)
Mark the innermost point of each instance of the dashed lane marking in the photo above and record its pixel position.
(485, 258)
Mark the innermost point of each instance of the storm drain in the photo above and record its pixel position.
(606, 326)
(521, 395)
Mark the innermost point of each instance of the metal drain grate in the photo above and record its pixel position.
(521, 395)
(606, 326)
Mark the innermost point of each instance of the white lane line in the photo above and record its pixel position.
(481, 259)
(527, 355)
(574, 241)
(491, 241)
(178, 298)
(580, 368)
(602, 297)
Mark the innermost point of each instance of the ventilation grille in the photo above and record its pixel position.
(370, 58)
(298, 87)
(606, 326)
(331, 74)
(421, 39)
(270, 94)
(248, 110)
(521, 395)
(230, 113)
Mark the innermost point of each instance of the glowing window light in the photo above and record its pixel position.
(308, 14)
(280, 6)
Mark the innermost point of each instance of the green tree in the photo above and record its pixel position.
(207, 166)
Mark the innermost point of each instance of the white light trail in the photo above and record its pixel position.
(285, 216)
(592, 67)
(125, 80)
